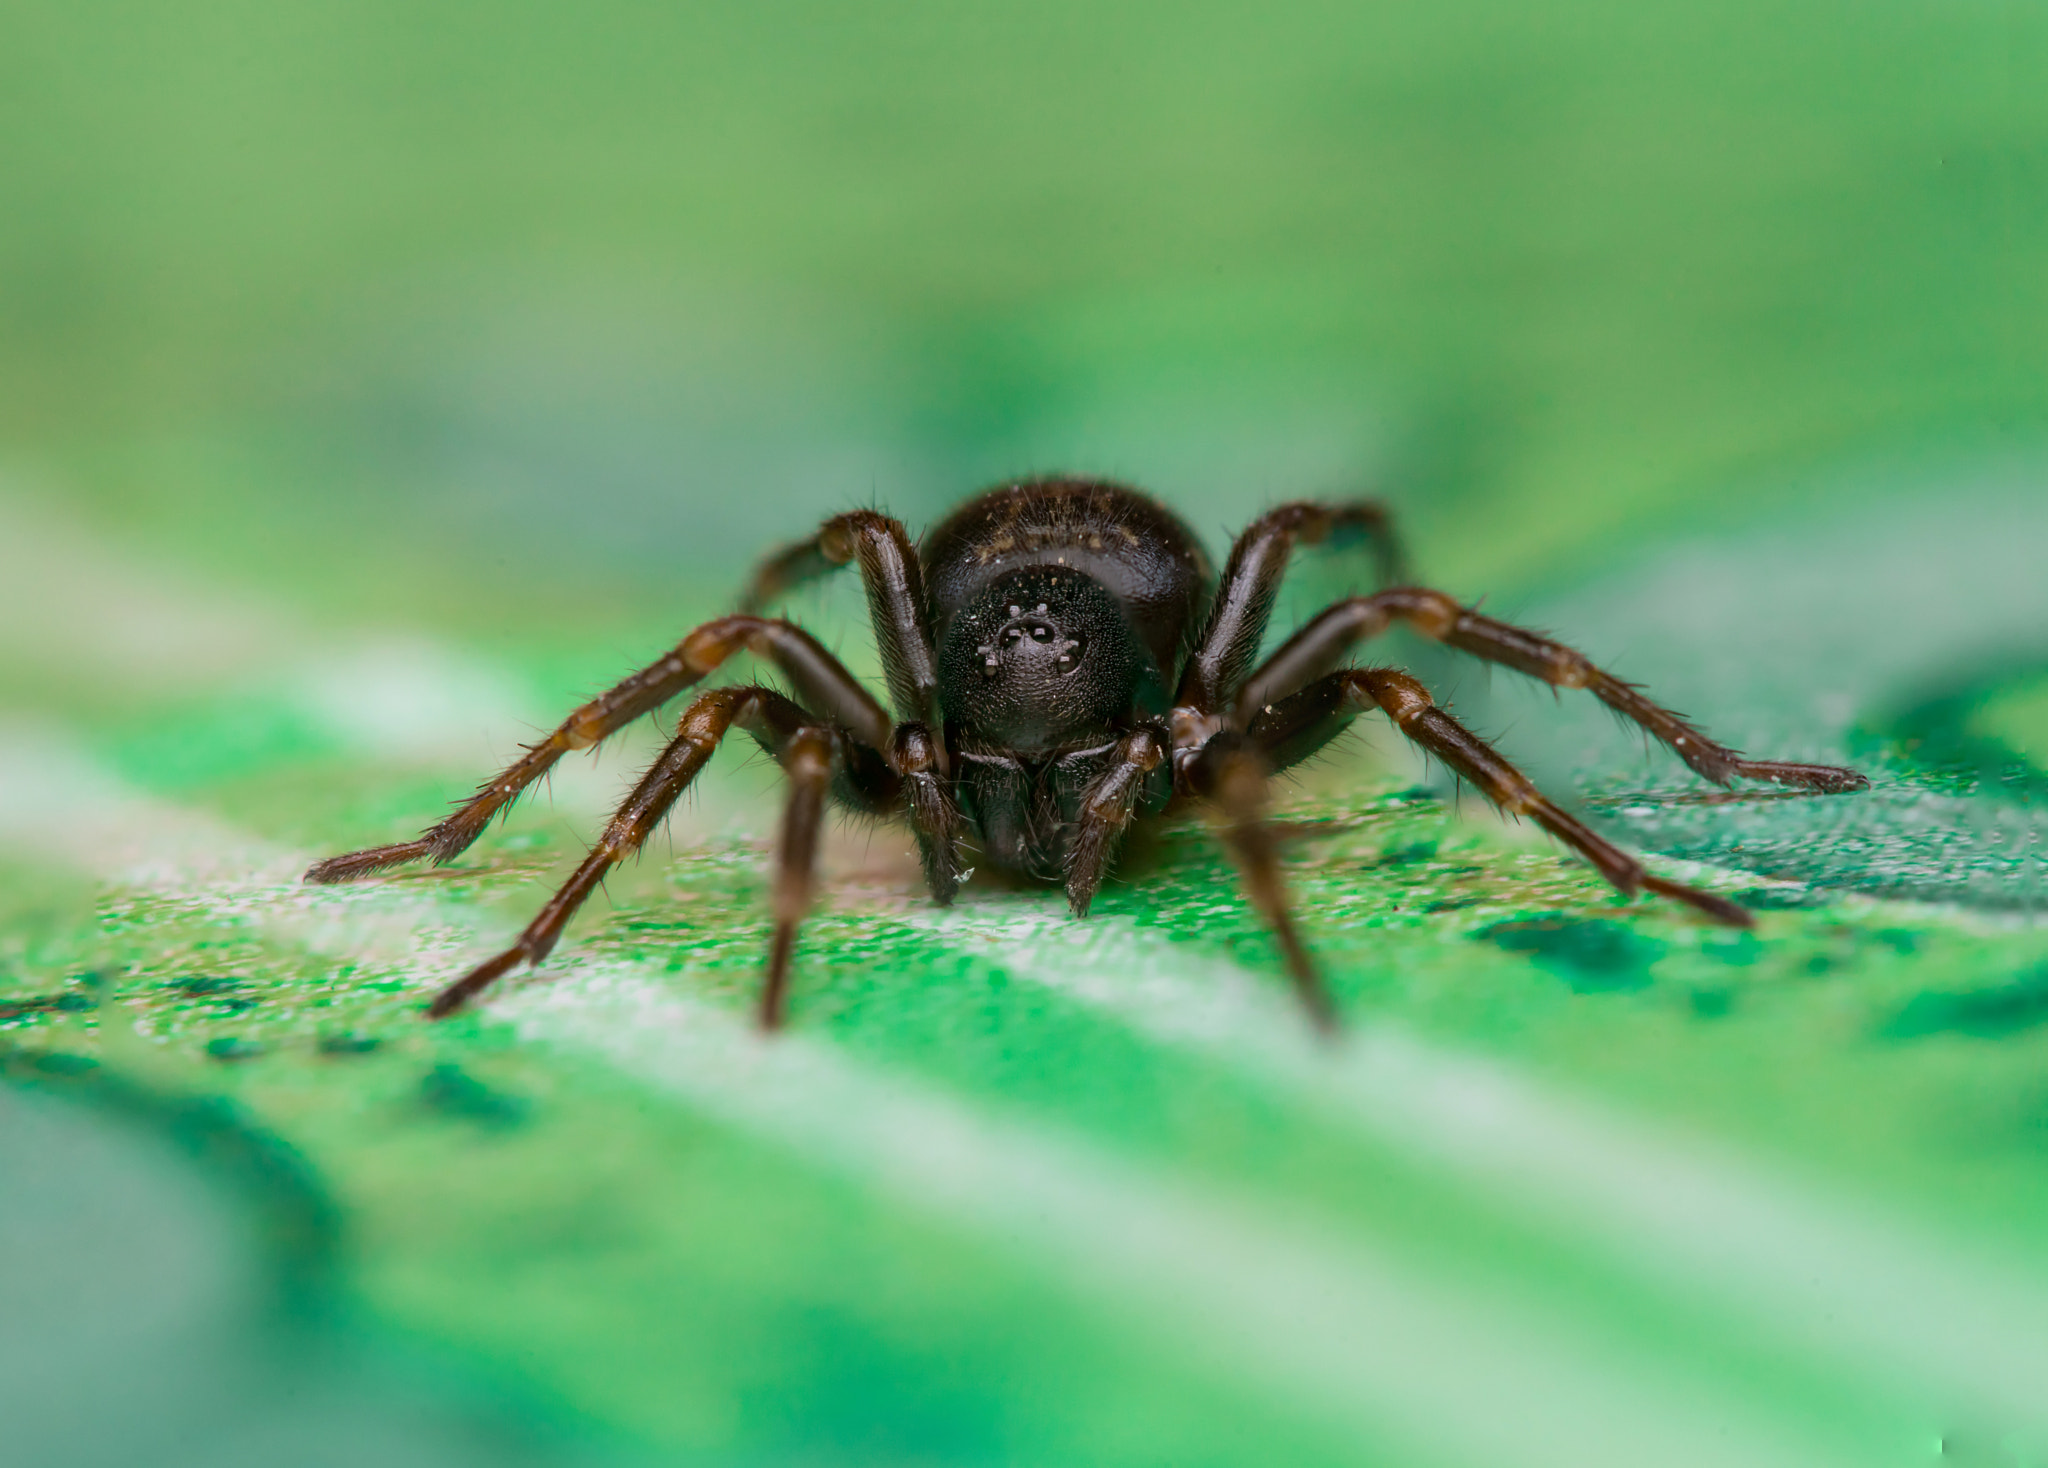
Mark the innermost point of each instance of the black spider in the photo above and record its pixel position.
(1061, 659)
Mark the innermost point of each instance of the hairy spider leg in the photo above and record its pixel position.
(806, 756)
(934, 809)
(1107, 807)
(1228, 774)
(1294, 728)
(1243, 605)
(1212, 761)
(818, 678)
(808, 753)
(893, 580)
(1324, 640)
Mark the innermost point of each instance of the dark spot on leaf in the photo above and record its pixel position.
(349, 1043)
(1406, 855)
(1780, 899)
(1593, 955)
(1984, 1013)
(201, 986)
(62, 1002)
(230, 1047)
(454, 1092)
(1712, 1002)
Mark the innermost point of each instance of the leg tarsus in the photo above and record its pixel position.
(1821, 779)
(935, 817)
(806, 757)
(773, 1010)
(1228, 774)
(1251, 841)
(935, 822)
(1720, 909)
(449, 837)
(1711, 760)
(358, 864)
(1106, 808)
(458, 994)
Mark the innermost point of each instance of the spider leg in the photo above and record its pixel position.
(934, 811)
(806, 755)
(821, 682)
(1293, 728)
(1251, 580)
(893, 579)
(807, 752)
(894, 582)
(1106, 809)
(1324, 640)
(1228, 774)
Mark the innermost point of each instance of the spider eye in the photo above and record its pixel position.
(1041, 633)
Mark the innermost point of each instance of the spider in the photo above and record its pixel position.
(1061, 660)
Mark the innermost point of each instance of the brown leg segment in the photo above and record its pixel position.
(806, 757)
(894, 581)
(1106, 811)
(1251, 581)
(804, 748)
(1415, 713)
(1228, 774)
(1323, 642)
(819, 679)
(934, 814)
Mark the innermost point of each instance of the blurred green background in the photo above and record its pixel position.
(378, 380)
(646, 285)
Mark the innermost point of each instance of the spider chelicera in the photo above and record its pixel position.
(1061, 660)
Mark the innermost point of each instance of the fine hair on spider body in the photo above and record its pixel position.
(1062, 660)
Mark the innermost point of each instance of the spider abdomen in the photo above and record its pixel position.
(1128, 543)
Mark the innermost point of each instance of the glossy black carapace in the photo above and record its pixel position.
(1061, 660)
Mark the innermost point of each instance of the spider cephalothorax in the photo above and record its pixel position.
(1062, 660)
(1040, 659)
